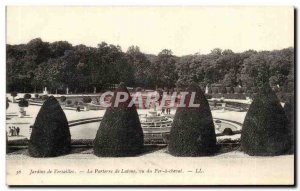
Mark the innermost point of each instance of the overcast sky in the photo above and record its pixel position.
(184, 30)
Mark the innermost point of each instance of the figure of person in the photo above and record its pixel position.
(14, 131)
(17, 131)
(78, 109)
(215, 103)
(163, 110)
(10, 131)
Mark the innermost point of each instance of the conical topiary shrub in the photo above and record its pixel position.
(50, 135)
(265, 129)
(120, 133)
(192, 132)
(290, 111)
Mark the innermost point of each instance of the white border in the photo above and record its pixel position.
(4, 3)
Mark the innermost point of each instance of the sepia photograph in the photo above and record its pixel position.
(145, 96)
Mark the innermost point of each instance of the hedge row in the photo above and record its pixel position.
(238, 90)
(266, 130)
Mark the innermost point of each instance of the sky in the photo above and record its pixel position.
(184, 30)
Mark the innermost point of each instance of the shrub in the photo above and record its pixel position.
(45, 97)
(215, 90)
(227, 131)
(50, 135)
(192, 132)
(265, 129)
(14, 94)
(237, 90)
(120, 133)
(69, 102)
(36, 95)
(63, 98)
(229, 90)
(23, 103)
(76, 102)
(27, 96)
(87, 99)
(222, 90)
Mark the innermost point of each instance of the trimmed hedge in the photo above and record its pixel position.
(229, 96)
(265, 130)
(222, 90)
(50, 135)
(23, 103)
(229, 90)
(87, 99)
(44, 97)
(63, 98)
(238, 90)
(215, 90)
(120, 133)
(192, 132)
(14, 94)
(289, 109)
(27, 96)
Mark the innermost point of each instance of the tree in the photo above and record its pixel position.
(109, 66)
(58, 48)
(230, 79)
(255, 70)
(120, 133)
(164, 69)
(50, 135)
(32, 66)
(192, 132)
(140, 66)
(265, 130)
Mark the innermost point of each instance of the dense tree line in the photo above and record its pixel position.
(59, 65)
(246, 69)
